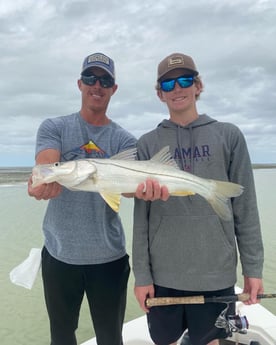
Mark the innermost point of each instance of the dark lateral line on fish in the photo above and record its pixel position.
(151, 173)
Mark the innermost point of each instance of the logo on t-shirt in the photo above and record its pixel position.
(92, 148)
(87, 150)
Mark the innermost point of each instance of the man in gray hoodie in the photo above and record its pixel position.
(181, 247)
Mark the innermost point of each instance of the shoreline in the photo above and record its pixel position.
(263, 166)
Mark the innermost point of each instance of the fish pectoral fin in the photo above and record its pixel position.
(113, 200)
(182, 193)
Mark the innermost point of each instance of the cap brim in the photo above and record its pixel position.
(193, 72)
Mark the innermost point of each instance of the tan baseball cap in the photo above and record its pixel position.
(176, 60)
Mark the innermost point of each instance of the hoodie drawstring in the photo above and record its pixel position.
(182, 161)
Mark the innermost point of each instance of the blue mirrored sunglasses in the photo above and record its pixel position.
(106, 81)
(168, 85)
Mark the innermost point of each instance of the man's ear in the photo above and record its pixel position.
(160, 95)
(114, 88)
(79, 84)
(199, 87)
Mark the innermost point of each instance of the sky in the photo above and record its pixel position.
(44, 42)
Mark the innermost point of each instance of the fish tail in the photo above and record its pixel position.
(221, 193)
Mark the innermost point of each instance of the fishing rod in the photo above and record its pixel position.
(242, 297)
(231, 323)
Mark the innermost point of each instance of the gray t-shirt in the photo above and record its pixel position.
(79, 227)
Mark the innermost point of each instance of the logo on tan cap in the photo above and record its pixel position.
(176, 60)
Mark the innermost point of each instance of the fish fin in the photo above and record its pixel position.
(182, 193)
(164, 156)
(221, 192)
(113, 200)
(127, 155)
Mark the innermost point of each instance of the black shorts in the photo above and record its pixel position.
(168, 323)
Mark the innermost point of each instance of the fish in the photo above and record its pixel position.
(122, 173)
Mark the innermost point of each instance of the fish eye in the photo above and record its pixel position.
(56, 164)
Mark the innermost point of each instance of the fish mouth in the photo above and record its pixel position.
(42, 171)
(50, 172)
(41, 175)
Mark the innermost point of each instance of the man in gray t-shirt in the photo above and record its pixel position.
(84, 250)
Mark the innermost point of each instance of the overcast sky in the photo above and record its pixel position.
(44, 42)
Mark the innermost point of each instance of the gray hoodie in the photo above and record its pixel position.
(182, 243)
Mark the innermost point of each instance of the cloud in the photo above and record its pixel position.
(43, 44)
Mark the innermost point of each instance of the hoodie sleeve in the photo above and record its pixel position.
(245, 210)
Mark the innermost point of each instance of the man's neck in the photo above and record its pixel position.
(184, 119)
(95, 118)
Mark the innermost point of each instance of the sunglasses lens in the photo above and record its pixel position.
(89, 80)
(169, 84)
(106, 81)
(185, 81)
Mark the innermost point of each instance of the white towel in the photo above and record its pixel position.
(25, 273)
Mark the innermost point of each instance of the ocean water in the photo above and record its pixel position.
(23, 314)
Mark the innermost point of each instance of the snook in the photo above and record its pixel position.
(122, 174)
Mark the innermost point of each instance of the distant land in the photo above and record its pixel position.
(264, 166)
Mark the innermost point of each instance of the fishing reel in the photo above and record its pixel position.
(232, 323)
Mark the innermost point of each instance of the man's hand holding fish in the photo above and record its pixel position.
(150, 190)
(44, 191)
